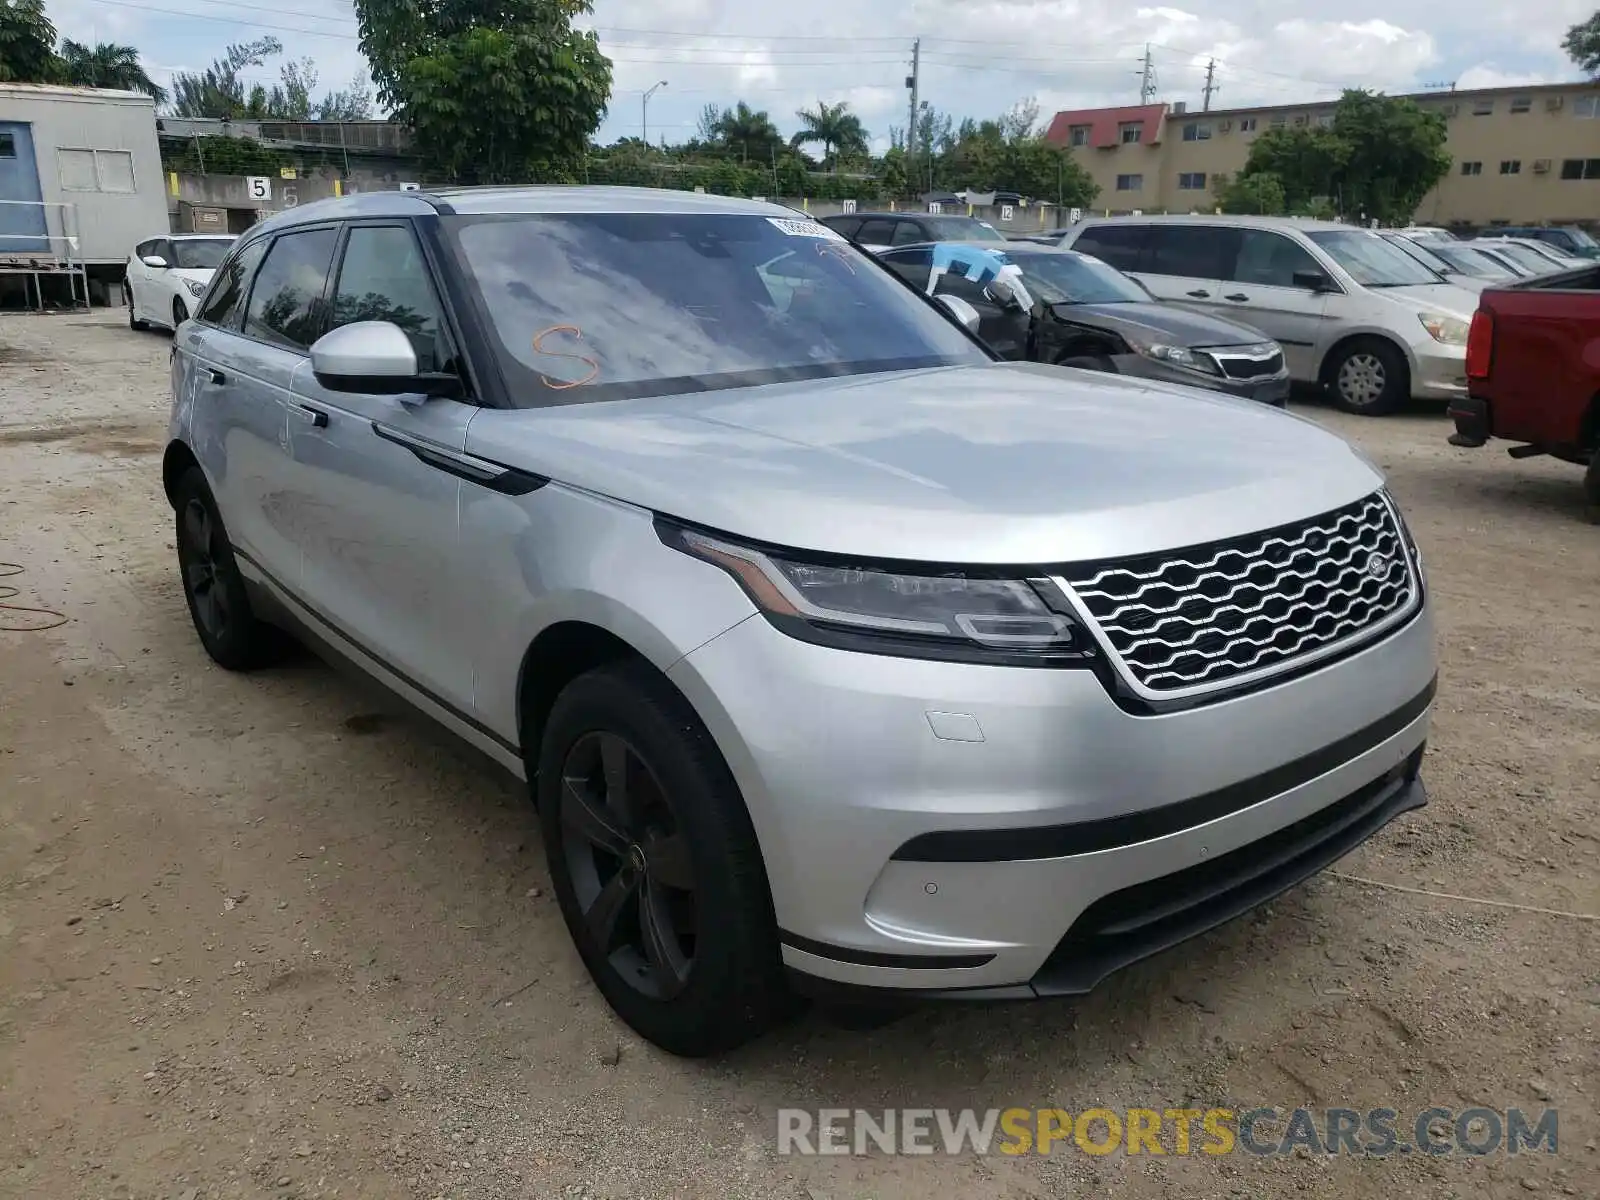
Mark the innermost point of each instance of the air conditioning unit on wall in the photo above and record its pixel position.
(1554, 103)
(1541, 166)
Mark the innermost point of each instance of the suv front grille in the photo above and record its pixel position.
(1198, 618)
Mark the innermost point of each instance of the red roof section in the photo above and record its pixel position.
(1105, 124)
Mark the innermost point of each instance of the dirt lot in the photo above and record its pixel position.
(262, 936)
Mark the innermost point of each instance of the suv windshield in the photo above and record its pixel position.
(1581, 238)
(1067, 278)
(606, 306)
(1418, 250)
(1370, 260)
(964, 229)
(200, 254)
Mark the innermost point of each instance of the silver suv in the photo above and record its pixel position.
(1352, 312)
(840, 656)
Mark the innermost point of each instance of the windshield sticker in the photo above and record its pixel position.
(800, 228)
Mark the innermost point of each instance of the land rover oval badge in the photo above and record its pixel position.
(1377, 565)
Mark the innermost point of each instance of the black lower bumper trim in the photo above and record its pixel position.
(877, 958)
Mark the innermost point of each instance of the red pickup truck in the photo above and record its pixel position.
(1533, 372)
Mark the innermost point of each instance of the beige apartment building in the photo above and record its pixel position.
(1528, 155)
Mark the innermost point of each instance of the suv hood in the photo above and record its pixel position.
(998, 463)
(1162, 322)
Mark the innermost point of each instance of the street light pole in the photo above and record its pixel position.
(644, 111)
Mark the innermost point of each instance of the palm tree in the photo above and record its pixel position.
(835, 126)
(749, 133)
(108, 65)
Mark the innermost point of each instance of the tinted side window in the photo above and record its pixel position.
(1189, 251)
(144, 248)
(952, 284)
(227, 297)
(845, 225)
(911, 265)
(384, 278)
(1117, 246)
(907, 233)
(286, 303)
(1270, 259)
(876, 231)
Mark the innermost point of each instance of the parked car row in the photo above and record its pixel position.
(841, 657)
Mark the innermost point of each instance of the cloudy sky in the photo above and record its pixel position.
(978, 56)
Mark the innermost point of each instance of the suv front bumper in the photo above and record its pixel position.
(951, 829)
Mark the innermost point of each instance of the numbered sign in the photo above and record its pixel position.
(847, 206)
(290, 197)
(1007, 212)
(258, 187)
(935, 208)
(1074, 216)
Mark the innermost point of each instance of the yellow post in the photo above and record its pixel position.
(805, 204)
(172, 182)
(338, 187)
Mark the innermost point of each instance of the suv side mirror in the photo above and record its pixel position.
(1313, 281)
(375, 358)
(962, 311)
(155, 262)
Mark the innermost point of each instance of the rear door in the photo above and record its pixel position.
(1119, 245)
(372, 476)
(1260, 292)
(22, 217)
(1185, 264)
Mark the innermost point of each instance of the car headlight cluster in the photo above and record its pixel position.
(1442, 327)
(947, 613)
(1178, 356)
(196, 288)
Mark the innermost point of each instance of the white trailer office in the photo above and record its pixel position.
(80, 179)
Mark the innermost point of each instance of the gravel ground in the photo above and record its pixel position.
(264, 936)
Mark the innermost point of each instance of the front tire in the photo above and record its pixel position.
(134, 322)
(655, 864)
(1369, 377)
(219, 606)
(180, 314)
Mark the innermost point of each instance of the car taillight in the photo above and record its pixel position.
(1480, 344)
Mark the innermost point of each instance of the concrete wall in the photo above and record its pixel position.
(111, 211)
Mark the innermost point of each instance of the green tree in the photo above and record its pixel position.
(219, 91)
(107, 65)
(838, 129)
(747, 134)
(1259, 195)
(1305, 160)
(1393, 155)
(27, 43)
(1582, 44)
(493, 90)
(353, 103)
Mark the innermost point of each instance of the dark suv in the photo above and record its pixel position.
(1569, 240)
(875, 230)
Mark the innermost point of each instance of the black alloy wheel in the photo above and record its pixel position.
(215, 591)
(629, 864)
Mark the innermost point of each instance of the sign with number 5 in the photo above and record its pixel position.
(258, 187)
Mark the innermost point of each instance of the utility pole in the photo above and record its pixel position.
(1211, 85)
(644, 113)
(1147, 77)
(912, 82)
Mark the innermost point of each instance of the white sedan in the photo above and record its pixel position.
(166, 276)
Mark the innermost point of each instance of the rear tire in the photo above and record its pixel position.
(655, 864)
(1369, 377)
(219, 606)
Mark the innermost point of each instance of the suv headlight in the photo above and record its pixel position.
(1177, 356)
(958, 614)
(196, 288)
(1442, 327)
